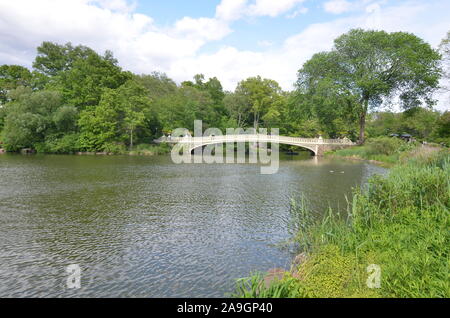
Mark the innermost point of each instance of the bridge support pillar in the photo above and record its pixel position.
(321, 149)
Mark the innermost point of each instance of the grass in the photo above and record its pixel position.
(383, 149)
(400, 223)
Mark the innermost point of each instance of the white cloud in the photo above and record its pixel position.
(229, 10)
(272, 8)
(337, 6)
(298, 12)
(202, 28)
(116, 5)
(142, 47)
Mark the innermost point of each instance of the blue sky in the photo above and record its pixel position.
(229, 39)
(250, 33)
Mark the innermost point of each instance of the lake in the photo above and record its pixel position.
(146, 227)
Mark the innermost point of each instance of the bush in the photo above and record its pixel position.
(66, 144)
(383, 149)
(151, 150)
(385, 145)
(114, 147)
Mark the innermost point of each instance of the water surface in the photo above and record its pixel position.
(145, 227)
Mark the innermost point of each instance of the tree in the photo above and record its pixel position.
(262, 95)
(53, 58)
(157, 84)
(11, 77)
(29, 117)
(213, 111)
(120, 113)
(442, 128)
(371, 68)
(328, 107)
(238, 107)
(79, 72)
(83, 84)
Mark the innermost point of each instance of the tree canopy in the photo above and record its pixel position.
(75, 99)
(367, 69)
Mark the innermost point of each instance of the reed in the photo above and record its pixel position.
(400, 222)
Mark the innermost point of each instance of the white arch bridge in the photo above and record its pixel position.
(317, 145)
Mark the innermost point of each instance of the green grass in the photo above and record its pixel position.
(400, 222)
(383, 149)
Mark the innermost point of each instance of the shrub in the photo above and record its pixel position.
(66, 144)
(385, 145)
(114, 147)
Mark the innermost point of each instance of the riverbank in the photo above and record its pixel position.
(384, 151)
(140, 150)
(396, 243)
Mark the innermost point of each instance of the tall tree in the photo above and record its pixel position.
(53, 58)
(374, 67)
(263, 96)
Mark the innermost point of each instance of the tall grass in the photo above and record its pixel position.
(400, 222)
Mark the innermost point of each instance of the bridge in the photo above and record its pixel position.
(317, 145)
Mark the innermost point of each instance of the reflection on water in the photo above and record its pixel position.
(145, 227)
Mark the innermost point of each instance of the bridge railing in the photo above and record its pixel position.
(254, 138)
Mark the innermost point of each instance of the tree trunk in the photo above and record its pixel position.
(362, 121)
(131, 139)
(256, 122)
(362, 127)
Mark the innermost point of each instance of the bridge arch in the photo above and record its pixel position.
(317, 145)
(312, 148)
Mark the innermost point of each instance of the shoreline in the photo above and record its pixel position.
(356, 158)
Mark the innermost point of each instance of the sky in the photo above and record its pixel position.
(229, 39)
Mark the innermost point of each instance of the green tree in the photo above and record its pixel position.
(29, 117)
(53, 58)
(11, 77)
(442, 128)
(372, 67)
(83, 84)
(263, 97)
(157, 84)
(210, 106)
(120, 113)
(238, 108)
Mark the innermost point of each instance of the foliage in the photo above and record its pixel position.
(108, 108)
(11, 77)
(30, 118)
(367, 68)
(263, 99)
(385, 145)
(399, 222)
(423, 124)
(383, 149)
